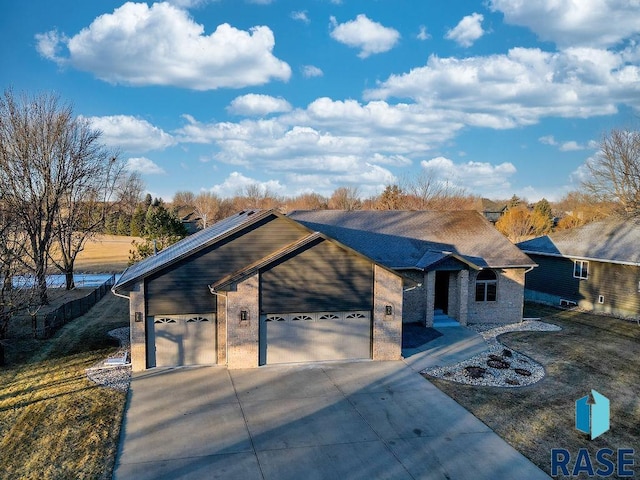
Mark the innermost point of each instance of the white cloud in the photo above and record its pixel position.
(477, 177)
(190, 3)
(571, 146)
(48, 44)
(548, 140)
(423, 34)
(310, 71)
(370, 37)
(162, 45)
(236, 182)
(468, 30)
(597, 23)
(144, 165)
(519, 88)
(301, 16)
(342, 141)
(258, 105)
(130, 133)
(568, 146)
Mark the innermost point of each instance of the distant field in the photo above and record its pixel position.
(105, 253)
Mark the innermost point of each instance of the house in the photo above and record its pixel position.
(596, 267)
(492, 211)
(259, 288)
(462, 266)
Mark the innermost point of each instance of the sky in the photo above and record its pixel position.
(499, 97)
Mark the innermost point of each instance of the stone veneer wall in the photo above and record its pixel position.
(137, 332)
(387, 329)
(414, 301)
(243, 337)
(221, 328)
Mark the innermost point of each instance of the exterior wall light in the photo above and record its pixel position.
(388, 310)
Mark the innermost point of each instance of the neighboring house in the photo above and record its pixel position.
(259, 288)
(191, 223)
(596, 266)
(464, 267)
(491, 210)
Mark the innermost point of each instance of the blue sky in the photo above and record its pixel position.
(500, 97)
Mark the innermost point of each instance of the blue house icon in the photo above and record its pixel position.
(592, 414)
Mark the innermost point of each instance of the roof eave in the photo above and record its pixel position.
(582, 257)
(250, 221)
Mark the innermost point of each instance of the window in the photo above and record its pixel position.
(486, 286)
(581, 269)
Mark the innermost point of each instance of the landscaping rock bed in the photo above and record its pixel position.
(497, 366)
(114, 375)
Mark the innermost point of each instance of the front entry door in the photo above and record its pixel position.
(442, 291)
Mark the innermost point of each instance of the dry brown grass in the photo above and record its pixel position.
(54, 423)
(105, 254)
(591, 352)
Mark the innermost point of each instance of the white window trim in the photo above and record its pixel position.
(581, 274)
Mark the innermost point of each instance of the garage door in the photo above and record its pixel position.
(314, 337)
(177, 340)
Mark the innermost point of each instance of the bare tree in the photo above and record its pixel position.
(345, 198)
(428, 192)
(129, 191)
(44, 152)
(256, 196)
(614, 173)
(84, 208)
(206, 207)
(183, 203)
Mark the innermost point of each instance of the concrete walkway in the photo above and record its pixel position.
(455, 345)
(361, 421)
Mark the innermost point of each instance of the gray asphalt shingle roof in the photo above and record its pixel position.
(613, 240)
(416, 239)
(189, 245)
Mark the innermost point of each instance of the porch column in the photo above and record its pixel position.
(463, 298)
(430, 292)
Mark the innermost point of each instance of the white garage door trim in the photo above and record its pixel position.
(315, 337)
(180, 340)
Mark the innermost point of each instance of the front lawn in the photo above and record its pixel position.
(54, 423)
(591, 352)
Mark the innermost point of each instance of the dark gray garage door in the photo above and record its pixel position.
(177, 340)
(314, 337)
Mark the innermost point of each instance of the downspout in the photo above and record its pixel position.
(226, 319)
(119, 294)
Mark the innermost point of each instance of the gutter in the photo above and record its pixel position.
(579, 257)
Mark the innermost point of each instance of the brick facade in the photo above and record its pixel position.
(243, 335)
(509, 304)
(387, 328)
(138, 324)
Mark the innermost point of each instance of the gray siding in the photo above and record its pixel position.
(553, 276)
(618, 284)
(322, 277)
(182, 288)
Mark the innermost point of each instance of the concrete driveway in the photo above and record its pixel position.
(361, 420)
